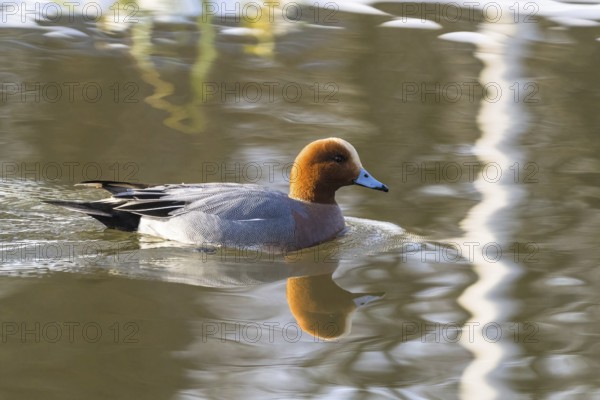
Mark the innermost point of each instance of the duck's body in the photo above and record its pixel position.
(238, 215)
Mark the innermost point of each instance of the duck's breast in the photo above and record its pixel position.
(316, 223)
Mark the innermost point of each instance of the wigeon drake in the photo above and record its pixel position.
(232, 214)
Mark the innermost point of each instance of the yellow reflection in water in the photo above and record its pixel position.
(189, 117)
(262, 26)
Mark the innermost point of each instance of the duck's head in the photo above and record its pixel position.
(324, 166)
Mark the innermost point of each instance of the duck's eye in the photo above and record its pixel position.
(338, 158)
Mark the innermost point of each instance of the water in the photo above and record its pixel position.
(474, 277)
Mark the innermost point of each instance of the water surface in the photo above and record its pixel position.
(481, 283)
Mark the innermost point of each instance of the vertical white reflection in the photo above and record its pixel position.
(500, 47)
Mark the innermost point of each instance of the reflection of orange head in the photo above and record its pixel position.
(321, 307)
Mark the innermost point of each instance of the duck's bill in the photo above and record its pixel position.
(365, 179)
(361, 299)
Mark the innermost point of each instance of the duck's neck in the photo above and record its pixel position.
(306, 183)
(312, 194)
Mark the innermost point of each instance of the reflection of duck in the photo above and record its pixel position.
(236, 215)
(321, 307)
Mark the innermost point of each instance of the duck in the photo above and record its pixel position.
(239, 215)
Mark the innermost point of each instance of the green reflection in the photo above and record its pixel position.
(263, 32)
(190, 117)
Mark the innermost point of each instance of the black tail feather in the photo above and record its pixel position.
(103, 211)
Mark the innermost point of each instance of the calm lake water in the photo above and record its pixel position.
(476, 277)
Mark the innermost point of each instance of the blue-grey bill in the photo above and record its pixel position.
(363, 299)
(365, 179)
